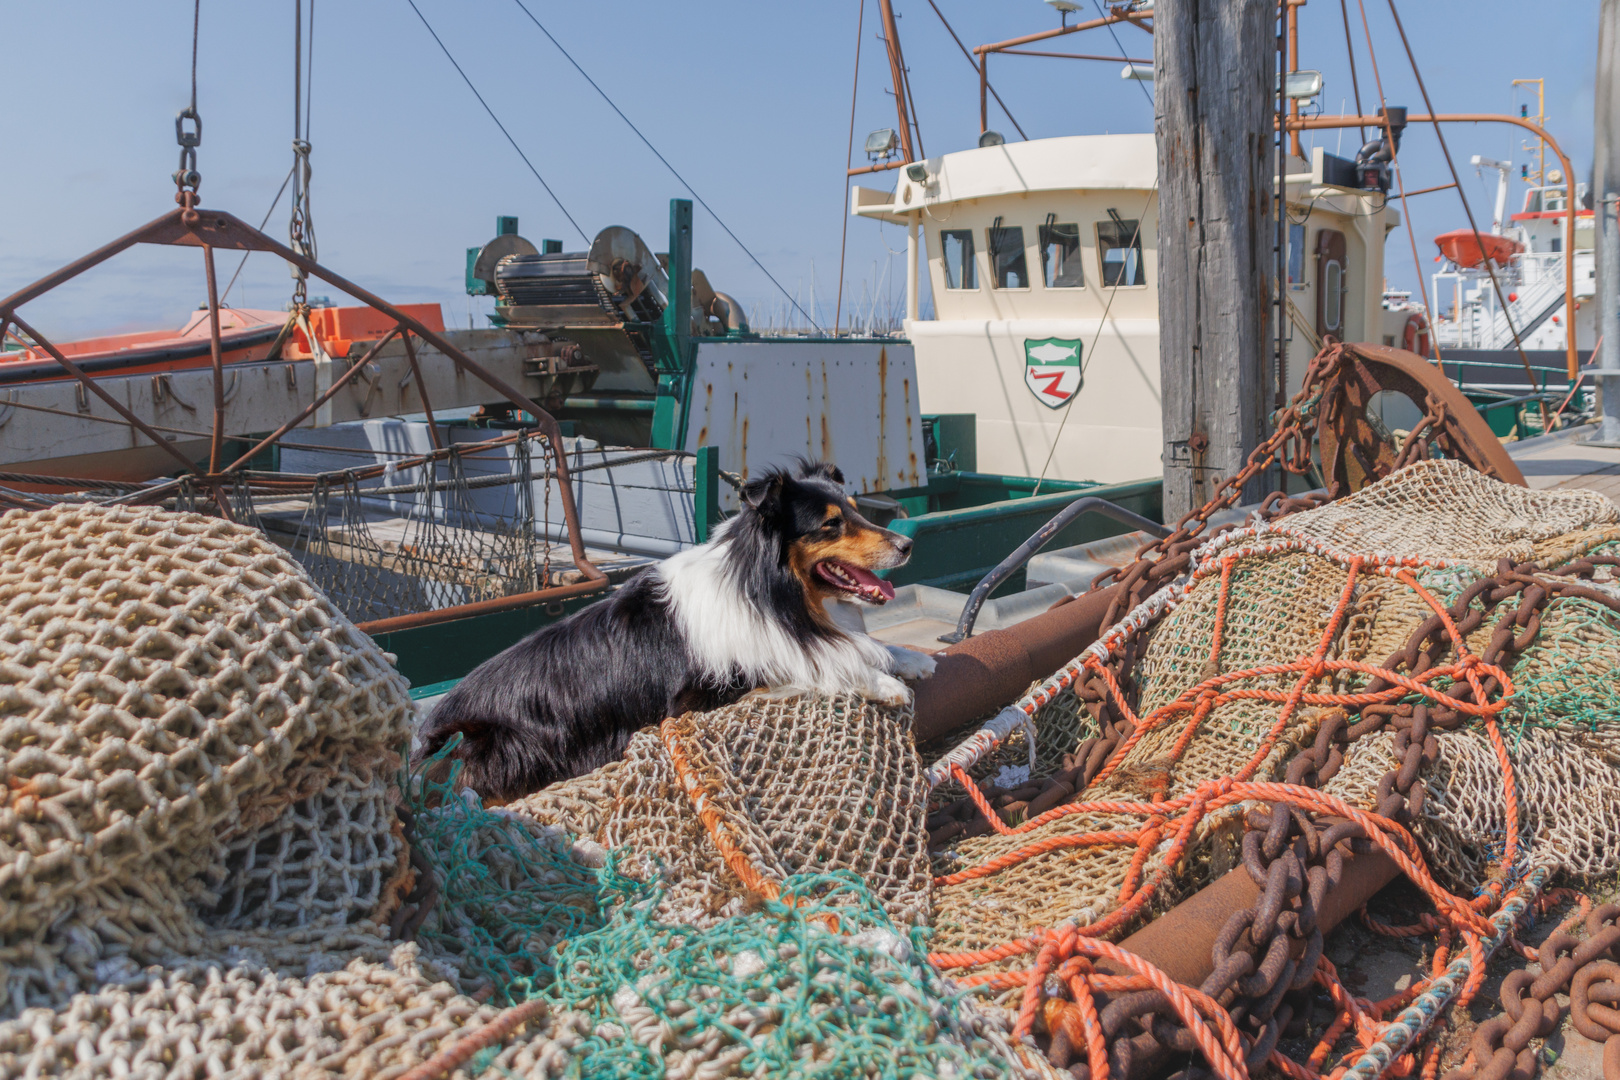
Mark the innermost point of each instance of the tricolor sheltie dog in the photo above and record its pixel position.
(741, 612)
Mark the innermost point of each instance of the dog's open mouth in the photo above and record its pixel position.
(855, 581)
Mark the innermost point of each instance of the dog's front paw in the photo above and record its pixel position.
(887, 690)
(909, 664)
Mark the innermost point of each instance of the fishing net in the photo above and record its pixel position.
(779, 787)
(207, 870)
(464, 524)
(819, 983)
(210, 854)
(1216, 675)
(190, 737)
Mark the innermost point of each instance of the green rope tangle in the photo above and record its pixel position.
(506, 897)
(773, 990)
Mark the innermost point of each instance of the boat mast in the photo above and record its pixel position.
(1540, 118)
(902, 85)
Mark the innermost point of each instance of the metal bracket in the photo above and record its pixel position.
(163, 387)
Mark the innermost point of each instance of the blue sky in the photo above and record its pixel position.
(750, 101)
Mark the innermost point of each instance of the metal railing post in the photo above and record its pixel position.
(1608, 369)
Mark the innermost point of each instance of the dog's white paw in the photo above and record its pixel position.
(887, 690)
(909, 664)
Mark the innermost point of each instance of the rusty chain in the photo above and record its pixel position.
(186, 177)
(1267, 956)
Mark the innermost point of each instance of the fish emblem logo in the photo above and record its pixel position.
(1052, 370)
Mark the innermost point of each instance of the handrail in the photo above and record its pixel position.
(1089, 504)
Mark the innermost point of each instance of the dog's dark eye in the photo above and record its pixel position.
(832, 523)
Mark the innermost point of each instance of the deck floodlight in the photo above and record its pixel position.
(1068, 7)
(1138, 72)
(882, 143)
(991, 138)
(1302, 85)
(917, 172)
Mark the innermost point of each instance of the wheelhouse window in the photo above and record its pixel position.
(1119, 250)
(957, 247)
(1007, 265)
(1296, 253)
(1061, 267)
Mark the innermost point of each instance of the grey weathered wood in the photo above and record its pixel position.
(1213, 62)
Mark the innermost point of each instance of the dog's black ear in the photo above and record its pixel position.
(824, 470)
(765, 493)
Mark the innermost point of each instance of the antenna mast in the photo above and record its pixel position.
(902, 84)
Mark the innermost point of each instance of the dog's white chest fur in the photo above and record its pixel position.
(729, 635)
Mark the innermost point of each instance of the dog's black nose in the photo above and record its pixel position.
(901, 543)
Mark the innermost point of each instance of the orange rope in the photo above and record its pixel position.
(979, 800)
(714, 820)
(719, 829)
(1218, 794)
(1066, 951)
(1096, 1046)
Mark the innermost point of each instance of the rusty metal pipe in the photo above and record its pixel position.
(1044, 35)
(1180, 941)
(1075, 56)
(984, 88)
(1428, 190)
(216, 444)
(1293, 66)
(482, 607)
(978, 676)
(883, 166)
(421, 390)
(576, 546)
(897, 74)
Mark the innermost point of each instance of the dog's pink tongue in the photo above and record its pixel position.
(870, 584)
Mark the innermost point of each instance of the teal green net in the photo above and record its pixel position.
(508, 891)
(1569, 679)
(819, 983)
(776, 992)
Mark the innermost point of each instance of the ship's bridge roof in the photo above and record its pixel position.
(1066, 163)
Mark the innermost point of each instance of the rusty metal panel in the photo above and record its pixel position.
(850, 402)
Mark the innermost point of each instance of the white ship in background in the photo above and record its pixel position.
(1527, 254)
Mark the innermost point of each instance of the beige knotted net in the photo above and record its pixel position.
(190, 737)
(201, 851)
(803, 785)
(1264, 598)
(203, 858)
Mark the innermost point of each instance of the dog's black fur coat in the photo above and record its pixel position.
(566, 699)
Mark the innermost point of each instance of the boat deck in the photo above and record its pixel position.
(1564, 460)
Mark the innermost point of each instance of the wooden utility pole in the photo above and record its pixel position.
(1214, 71)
